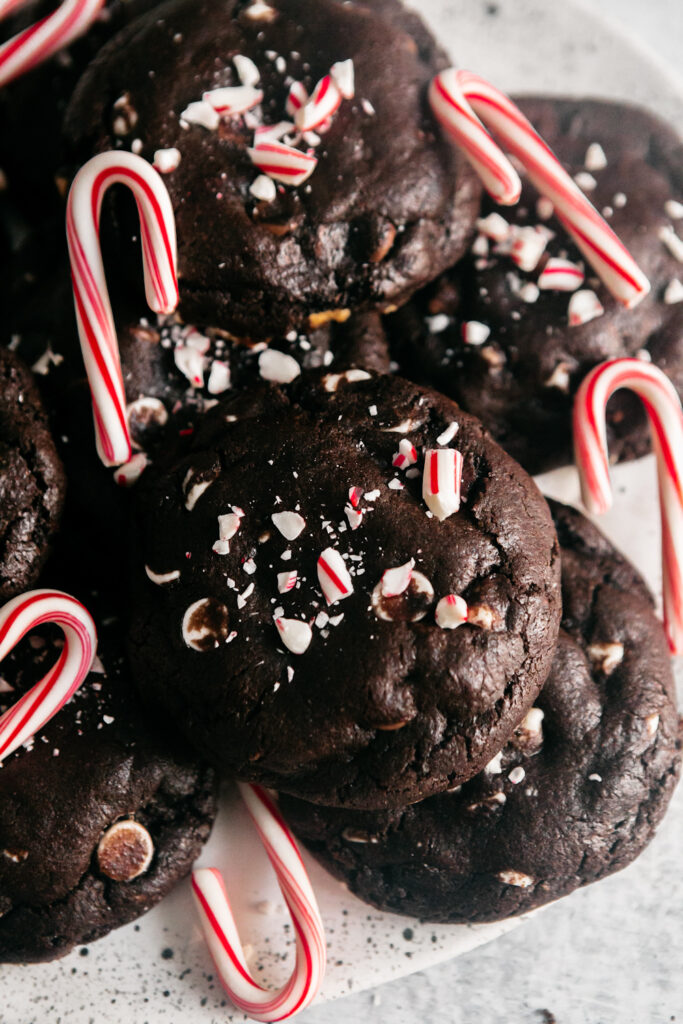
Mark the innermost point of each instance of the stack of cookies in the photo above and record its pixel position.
(337, 578)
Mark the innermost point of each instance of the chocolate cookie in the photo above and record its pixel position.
(501, 338)
(99, 818)
(389, 205)
(575, 795)
(32, 483)
(263, 619)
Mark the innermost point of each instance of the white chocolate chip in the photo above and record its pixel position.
(193, 492)
(606, 657)
(219, 378)
(205, 624)
(437, 324)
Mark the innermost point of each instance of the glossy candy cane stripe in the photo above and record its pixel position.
(91, 298)
(35, 709)
(220, 930)
(40, 41)
(663, 408)
(458, 100)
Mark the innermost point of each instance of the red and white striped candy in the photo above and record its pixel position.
(560, 276)
(406, 455)
(93, 309)
(37, 43)
(355, 495)
(35, 709)
(298, 96)
(333, 576)
(451, 612)
(222, 937)
(295, 634)
(235, 99)
(441, 481)
(457, 97)
(282, 163)
(663, 408)
(324, 101)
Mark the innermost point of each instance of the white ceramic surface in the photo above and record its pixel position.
(157, 970)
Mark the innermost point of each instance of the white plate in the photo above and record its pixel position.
(157, 971)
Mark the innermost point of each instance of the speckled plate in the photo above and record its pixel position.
(158, 971)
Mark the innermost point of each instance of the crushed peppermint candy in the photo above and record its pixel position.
(437, 324)
(585, 181)
(343, 75)
(282, 163)
(219, 377)
(673, 292)
(263, 188)
(131, 471)
(441, 481)
(228, 525)
(322, 104)
(295, 634)
(449, 433)
(396, 581)
(584, 306)
(331, 381)
(544, 208)
(290, 524)
(561, 276)
(355, 495)
(278, 367)
(161, 578)
(354, 516)
(672, 241)
(200, 113)
(451, 612)
(517, 775)
(286, 581)
(495, 227)
(595, 159)
(528, 246)
(232, 100)
(166, 160)
(191, 363)
(333, 576)
(193, 491)
(247, 72)
(475, 333)
(673, 209)
(405, 456)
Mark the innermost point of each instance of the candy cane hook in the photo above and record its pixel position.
(221, 933)
(93, 309)
(35, 44)
(35, 709)
(663, 408)
(459, 99)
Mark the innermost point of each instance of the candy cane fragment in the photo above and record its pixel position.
(37, 43)
(325, 100)
(282, 163)
(35, 709)
(458, 100)
(220, 930)
(663, 408)
(441, 481)
(94, 317)
(333, 576)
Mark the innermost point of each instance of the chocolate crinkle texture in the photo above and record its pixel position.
(575, 795)
(379, 710)
(99, 762)
(32, 483)
(389, 205)
(521, 379)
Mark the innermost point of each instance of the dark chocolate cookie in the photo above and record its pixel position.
(32, 483)
(100, 816)
(575, 795)
(389, 205)
(505, 349)
(365, 701)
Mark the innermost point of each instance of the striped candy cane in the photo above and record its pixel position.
(35, 44)
(221, 933)
(91, 298)
(458, 99)
(35, 709)
(663, 408)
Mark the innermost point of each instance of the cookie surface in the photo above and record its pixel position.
(99, 818)
(32, 483)
(519, 374)
(576, 794)
(388, 206)
(383, 706)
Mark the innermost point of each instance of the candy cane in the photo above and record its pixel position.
(93, 309)
(40, 41)
(220, 930)
(663, 408)
(457, 98)
(35, 709)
